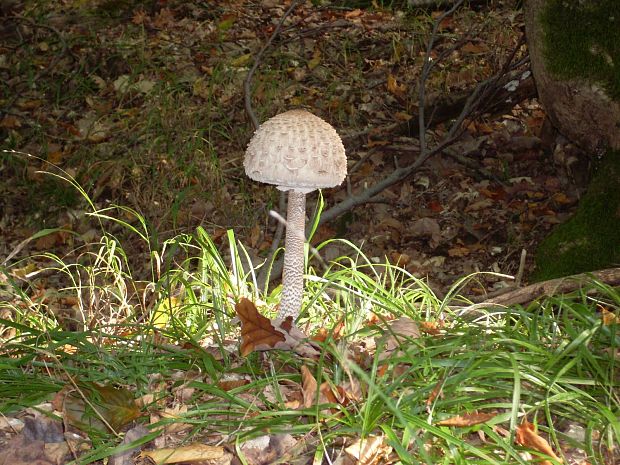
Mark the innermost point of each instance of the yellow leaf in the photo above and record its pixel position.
(241, 60)
(394, 87)
(161, 315)
(316, 59)
(191, 453)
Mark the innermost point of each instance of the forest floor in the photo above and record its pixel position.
(142, 110)
(142, 103)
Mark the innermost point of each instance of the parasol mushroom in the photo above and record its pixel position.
(298, 152)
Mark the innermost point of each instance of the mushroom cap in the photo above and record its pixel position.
(296, 150)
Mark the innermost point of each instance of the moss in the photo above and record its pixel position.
(590, 240)
(582, 40)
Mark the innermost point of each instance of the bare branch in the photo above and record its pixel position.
(474, 104)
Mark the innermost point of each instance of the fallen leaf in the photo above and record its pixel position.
(431, 327)
(458, 251)
(191, 453)
(394, 87)
(140, 17)
(107, 406)
(353, 13)
(56, 157)
(474, 48)
(256, 330)
(241, 60)
(309, 387)
(527, 436)
(426, 227)
(316, 59)
(468, 419)
(126, 456)
(263, 450)
(258, 333)
(609, 318)
(164, 19)
(369, 450)
(10, 122)
(334, 334)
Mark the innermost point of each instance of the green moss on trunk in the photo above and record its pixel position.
(590, 240)
(582, 40)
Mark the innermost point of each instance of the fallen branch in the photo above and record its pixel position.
(527, 294)
(475, 104)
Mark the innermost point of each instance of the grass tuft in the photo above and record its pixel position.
(553, 363)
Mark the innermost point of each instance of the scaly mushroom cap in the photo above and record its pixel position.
(296, 150)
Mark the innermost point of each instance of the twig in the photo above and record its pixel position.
(519, 276)
(524, 295)
(473, 104)
(257, 61)
(472, 164)
(426, 69)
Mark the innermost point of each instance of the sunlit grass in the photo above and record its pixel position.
(553, 362)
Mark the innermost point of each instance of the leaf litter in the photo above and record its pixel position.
(422, 226)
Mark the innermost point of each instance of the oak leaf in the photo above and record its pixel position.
(394, 87)
(256, 330)
(259, 333)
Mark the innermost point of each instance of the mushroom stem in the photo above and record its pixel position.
(293, 272)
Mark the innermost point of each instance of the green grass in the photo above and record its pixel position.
(552, 362)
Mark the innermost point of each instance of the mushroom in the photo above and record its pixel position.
(298, 152)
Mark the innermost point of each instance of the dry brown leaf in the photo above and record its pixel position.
(397, 334)
(394, 87)
(191, 453)
(370, 451)
(308, 386)
(353, 13)
(436, 392)
(468, 419)
(323, 333)
(10, 122)
(256, 330)
(527, 436)
(260, 334)
(328, 396)
(267, 449)
(474, 48)
(431, 327)
(609, 318)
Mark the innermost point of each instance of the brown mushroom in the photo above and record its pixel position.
(298, 152)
